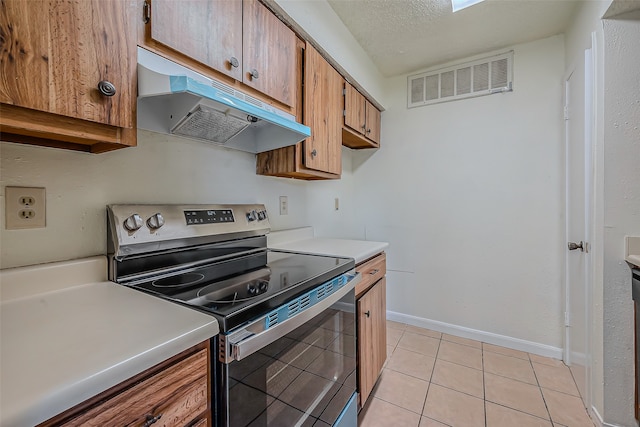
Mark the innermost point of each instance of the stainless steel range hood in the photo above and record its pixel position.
(175, 100)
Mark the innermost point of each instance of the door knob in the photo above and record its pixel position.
(573, 246)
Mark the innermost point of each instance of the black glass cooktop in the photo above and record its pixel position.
(241, 298)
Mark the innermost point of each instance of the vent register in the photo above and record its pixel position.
(470, 79)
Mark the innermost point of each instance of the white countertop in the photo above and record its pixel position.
(632, 250)
(67, 344)
(303, 240)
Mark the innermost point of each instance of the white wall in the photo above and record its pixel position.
(162, 169)
(621, 209)
(470, 196)
(321, 23)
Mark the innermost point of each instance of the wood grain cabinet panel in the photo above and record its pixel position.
(54, 54)
(176, 393)
(320, 156)
(361, 120)
(240, 39)
(322, 87)
(209, 31)
(269, 48)
(372, 338)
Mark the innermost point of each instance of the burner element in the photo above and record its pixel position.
(178, 281)
(233, 294)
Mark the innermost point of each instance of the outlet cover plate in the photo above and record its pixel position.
(25, 207)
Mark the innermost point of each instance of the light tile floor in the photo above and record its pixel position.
(435, 380)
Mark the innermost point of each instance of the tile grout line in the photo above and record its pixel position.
(484, 388)
(540, 390)
(435, 360)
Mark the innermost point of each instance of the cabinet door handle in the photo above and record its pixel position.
(106, 88)
(368, 130)
(234, 62)
(151, 420)
(367, 313)
(146, 12)
(254, 74)
(364, 126)
(374, 272)
(314, 153)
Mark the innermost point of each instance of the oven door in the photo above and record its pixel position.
(301, 371)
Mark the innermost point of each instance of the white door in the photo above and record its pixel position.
(578, 125)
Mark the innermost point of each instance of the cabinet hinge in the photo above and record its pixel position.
(567, 319)
(344, 113)
(344, 91)
(146, 12)
(566, 112)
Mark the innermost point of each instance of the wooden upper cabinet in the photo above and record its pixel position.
(322, 113)
(354, 109)
(361, 120)
(373, 122)
(269, 49)
(56, 53)
(68, 73)
(242, 40)
(209, 31)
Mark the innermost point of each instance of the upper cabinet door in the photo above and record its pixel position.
(269, 53)
(92, 45)
(209, 31)
(373, 123)
(354, 106)
(322, 113)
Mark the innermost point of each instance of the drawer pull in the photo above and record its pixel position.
(151, 420)
(374, 272)
(367, 313)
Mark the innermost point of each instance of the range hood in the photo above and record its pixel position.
(175, 100)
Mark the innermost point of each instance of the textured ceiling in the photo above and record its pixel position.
(402, 36)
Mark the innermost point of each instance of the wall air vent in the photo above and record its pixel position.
(484, 76)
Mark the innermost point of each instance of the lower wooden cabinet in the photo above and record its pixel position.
(372, 325)
(173, 393)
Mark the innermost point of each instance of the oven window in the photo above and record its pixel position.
(304, 378)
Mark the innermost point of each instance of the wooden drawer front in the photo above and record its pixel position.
(178, 394)
(372, 271)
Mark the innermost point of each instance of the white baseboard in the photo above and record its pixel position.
(488, 337)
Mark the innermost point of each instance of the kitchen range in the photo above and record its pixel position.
(286, 352)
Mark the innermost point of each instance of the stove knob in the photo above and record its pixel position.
(251, 289)
(155, 221)
(263, 286)
(252, 216)
(262, 215)
(133, 223)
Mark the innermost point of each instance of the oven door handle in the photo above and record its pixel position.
(246, 341)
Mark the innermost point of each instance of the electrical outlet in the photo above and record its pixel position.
(25, 207)
(284, 205)
(337, 204)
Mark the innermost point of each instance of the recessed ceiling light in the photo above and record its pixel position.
(461, 4)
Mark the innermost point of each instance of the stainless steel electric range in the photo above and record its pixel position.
(286, 354)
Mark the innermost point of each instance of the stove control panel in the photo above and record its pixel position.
(138, 228)
(212, 216)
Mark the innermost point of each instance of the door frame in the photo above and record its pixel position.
(590, 117)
